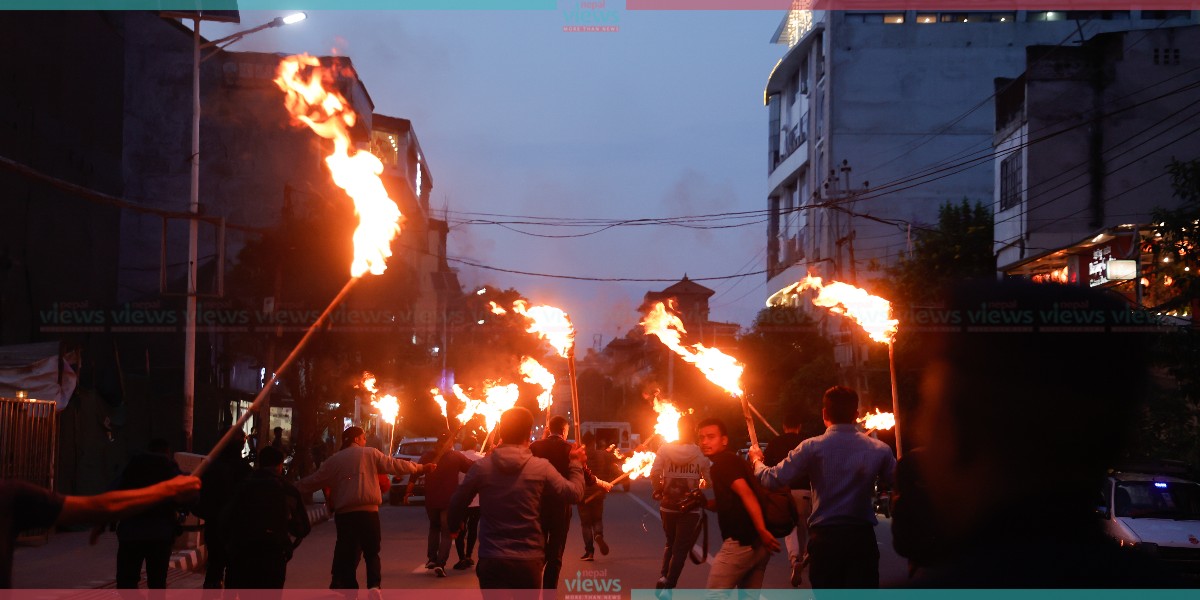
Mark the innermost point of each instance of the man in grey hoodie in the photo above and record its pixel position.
(510, 482)
(677, 472)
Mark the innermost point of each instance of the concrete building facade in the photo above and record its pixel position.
(1083, 140)
(876, 119)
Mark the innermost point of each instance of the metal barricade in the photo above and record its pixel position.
(28, 444)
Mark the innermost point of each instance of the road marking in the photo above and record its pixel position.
(654, 511)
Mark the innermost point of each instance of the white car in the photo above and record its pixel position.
(1159, 514)
(410, 449)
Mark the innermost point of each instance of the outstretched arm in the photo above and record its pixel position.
(120, 504)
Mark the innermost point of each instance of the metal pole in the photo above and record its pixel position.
(287, 362)
(189, 328)
(895, 396)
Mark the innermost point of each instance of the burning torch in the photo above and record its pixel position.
(303, 79)
(872, 313)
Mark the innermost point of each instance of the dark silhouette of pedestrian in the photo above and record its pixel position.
(591, 509)
(465, 542)
(264, 521)
(777, 450)
(226, 472)
(147, 537)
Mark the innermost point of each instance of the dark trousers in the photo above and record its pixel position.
(357, 537)
(681, 531)
(261, 566)
(591, 521)
(843, 556)
(505, 579)
(437, 545)
(130, 556)
(555, 524)
(464, 544)
(217, 561)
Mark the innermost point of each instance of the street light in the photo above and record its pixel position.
(189, 350)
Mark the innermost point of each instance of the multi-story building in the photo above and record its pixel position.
(114, 122)
(1083, 140)
(879, 118)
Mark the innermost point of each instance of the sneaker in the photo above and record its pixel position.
(797, 574)
(439, 571)
(602, 544)
(463, 563)
(661, 584)
(587, 556)
(431, 564)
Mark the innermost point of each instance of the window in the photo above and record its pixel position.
(1166, 56)
(896, 18)
(1162, 15)
(804, 76)
(1046, 15)
(1010, 181)
(927, 18)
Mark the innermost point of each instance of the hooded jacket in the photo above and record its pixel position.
(510, 483)
(677, 470)
(352, 474)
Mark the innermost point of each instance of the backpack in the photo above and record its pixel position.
(778, 508)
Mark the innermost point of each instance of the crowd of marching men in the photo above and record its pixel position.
(999, 493)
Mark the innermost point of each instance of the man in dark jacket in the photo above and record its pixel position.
(439, 487)
(264, 521)
(511, 482)
(777, 450)
(147, 537)
(218, 484)
(556, 512)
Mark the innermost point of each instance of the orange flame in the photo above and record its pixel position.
(536, 374)
(389, 407)
(312, 100)
(668, 420)
(638, 464)
(872, 313)
(718, 367)
(437, 398)
(879, 420)
(497, 399)
(547, 322)
(369, 383)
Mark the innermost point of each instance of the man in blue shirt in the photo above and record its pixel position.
(843, 465)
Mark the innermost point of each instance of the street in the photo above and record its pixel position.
(632, 529)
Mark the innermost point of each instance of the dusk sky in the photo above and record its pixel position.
(663, 118)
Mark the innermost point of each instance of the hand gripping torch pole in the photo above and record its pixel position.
(266, 391)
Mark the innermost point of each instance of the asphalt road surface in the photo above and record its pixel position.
(632, 528)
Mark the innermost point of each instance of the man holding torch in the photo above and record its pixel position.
(352, 475)
(748, 544)
(843, 465)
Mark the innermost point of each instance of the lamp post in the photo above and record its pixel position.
(189, 348)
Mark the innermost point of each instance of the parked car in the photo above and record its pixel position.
(1157, 514)
(410, 449)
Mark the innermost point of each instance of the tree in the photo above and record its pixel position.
(958, 248)
(789, 365)
(1171, 417)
